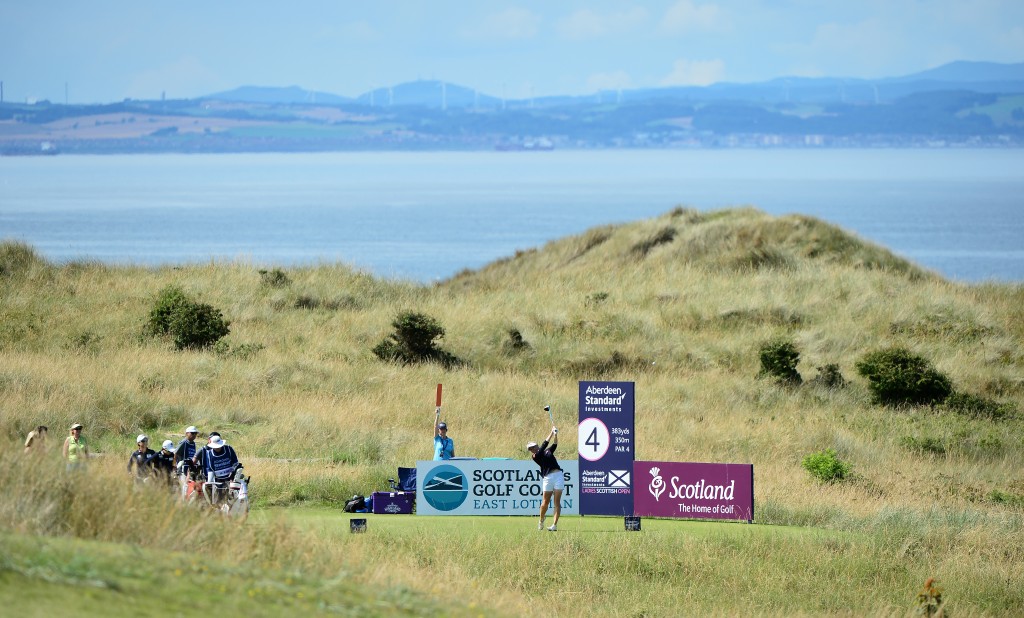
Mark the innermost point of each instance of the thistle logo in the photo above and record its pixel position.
(445, 488)
(657, 486)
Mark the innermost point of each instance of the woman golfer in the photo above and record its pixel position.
(554, 481)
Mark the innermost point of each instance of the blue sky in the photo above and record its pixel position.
(108, 50)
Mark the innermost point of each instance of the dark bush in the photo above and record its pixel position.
(307, 301)
(190, 324)
(829, 376)
(197, 325)
(897, 377)
(979, 407)
(275, 278)
(170, 300)
(413, 341)
(779, 359)
(515, 342)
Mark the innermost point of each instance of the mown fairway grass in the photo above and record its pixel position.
(46, 576)
(679, 304)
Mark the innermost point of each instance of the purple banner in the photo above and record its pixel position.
(606, 447)
(693, 490)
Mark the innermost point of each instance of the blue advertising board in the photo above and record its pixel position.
(606, 447)
(488, 487)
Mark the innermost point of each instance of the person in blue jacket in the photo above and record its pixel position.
(219, 462)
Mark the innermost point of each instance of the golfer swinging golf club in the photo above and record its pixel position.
(553, 479)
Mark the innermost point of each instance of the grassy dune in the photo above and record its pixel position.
(680, 304)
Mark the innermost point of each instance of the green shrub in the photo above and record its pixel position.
(168, 301)
(190, 324)
(779, 359)
(275, 278)
(979, 407)
(829, 376)
(897, 377)
(244, 351)
(413, 341)
(1006, 498)
(515, 342)
(826, 466)
(197, 325)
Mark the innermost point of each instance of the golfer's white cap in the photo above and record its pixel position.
(191, 429)
(142, 438)
(530, 445)
(168, 445)
(217, 442)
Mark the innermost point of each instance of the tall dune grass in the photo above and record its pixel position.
(679, 304)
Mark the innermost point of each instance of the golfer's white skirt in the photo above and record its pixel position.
(554, 481)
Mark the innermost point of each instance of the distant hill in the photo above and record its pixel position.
(975, 104)
(269, 94)
(965, 71)
(428, 93)
(987, 77)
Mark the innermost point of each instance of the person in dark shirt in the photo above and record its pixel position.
(553, 483)
(163, 463)
(141, 459)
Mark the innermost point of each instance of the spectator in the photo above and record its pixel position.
(141, 459)
(163, 463)
(36, 440)
(76, 450)
(444, 447)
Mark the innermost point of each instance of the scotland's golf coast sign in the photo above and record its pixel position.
(488, 487)
(694, 490)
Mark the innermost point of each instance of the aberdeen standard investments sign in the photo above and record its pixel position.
(606, 446)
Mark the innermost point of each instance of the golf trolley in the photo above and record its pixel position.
(230, 497)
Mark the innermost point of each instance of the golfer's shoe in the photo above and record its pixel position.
(540, 525)
(552, 528)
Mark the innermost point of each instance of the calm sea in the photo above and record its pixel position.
(428, 215)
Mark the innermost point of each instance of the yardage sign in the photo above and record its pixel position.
(606, 449)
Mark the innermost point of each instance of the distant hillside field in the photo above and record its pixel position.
(976, 104)
(686, 305)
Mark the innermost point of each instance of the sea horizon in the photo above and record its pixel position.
(426, 216)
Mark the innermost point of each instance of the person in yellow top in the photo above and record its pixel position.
(76, 451)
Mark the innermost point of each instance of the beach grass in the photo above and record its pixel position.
(679, 304)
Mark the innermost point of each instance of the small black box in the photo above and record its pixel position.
(632, 524)
(357, 525)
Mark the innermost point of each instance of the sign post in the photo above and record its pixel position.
(606, 447)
